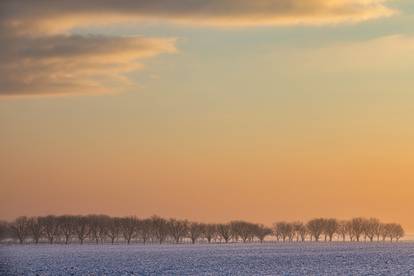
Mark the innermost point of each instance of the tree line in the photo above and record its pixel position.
(105, 229)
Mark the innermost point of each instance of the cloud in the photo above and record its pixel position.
(59, 14)
(40, 55)
(72, 64)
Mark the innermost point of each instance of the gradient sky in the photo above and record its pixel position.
(208, 110)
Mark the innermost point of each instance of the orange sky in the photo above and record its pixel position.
(261, 112)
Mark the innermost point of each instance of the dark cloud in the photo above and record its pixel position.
(40, 56)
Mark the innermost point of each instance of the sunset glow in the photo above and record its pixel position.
(208, 110)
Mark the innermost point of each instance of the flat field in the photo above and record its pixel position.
(216, 259)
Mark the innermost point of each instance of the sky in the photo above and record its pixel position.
(209, 110)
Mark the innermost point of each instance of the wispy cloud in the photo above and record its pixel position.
(40, 55)
(59, 14)
(71, 64)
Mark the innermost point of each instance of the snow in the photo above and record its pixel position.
(240, 259)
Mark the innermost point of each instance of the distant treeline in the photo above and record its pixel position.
(105, 229)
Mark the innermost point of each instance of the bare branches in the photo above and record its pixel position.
(104, 229)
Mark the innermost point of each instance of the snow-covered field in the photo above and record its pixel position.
(236, 259)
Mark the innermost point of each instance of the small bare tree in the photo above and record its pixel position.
(395, 231)
(129, 228)
(342, 229)
(330, 228)
(357, 226)
(113, 226)
(4, 230)
(35, 229)
(67, 226)
(242, 229)
(195, 231)
(178, 229)
(371, 228)
(284, 230)
(82, 228)
(350, 231)
(160, 228)
(51, 227)
(144, 230)
(210, 232)
(316, 227)
(300, 231)
(224, 230)
(20, 228)
(261, 232)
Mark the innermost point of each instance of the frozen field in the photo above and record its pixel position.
(266, 259)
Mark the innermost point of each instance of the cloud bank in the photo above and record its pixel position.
(40, 55)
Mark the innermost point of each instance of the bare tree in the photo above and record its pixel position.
(349, 229)
(342, 229)
(160, 228)
(35, 229)
(316, 227)
(379, 230)
(210, 232)
(67, 226)
(20, 228)
(195, 231)
(144, 229)
(51, 227)
(284, 230)
(242, 229)
(371, 228)
(330, 228)
(398, 232)
(113, 226)
(4, 230)
(300, 231)
(357, 226)
(82, 228)
(395, 231)
(224, 230)
(128, 228)
(261, 232)
(178, 229)
(102, 228)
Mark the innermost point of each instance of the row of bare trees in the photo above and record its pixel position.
(103, 229)
(356, 229)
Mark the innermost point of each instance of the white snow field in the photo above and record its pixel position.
(218, 259)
